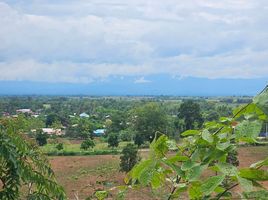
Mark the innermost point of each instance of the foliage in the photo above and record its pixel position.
(59, 146)
(191, 113)
(86, 144)
(129, 157)
(204, 150)
(41, 138)
(148, 120)
(113, 140)
(22, 164)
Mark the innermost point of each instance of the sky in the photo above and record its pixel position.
(88, 41)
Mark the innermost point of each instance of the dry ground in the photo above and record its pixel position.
(82, 175)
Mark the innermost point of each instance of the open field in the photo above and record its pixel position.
(72, 147)
(82, 175)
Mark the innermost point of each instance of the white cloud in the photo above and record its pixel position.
(141, 80)
(80, 41)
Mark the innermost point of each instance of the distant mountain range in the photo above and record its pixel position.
(132, 85)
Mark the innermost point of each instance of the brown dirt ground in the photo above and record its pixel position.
(82, 175)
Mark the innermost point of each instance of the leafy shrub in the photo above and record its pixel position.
(87, 144)
(41, 138)
(113, 140)
(21, 163)
(59, 146)
(129, 158)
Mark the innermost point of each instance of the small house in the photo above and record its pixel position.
(99, 132)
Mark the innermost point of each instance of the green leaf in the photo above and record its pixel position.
(177, 158)
(160, 146)
(189, 164)
(262, 100)
(157, 180)
(259, 195)
(190, 132)
(248, 129)
(138, 169)
(260, 163)
(195, 191)
(245, 184)
(227, 169)
(206, 135)
(254, 174)
(211, 184)
(223, 146)
(194, 173)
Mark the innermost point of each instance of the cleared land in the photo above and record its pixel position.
(82, 175)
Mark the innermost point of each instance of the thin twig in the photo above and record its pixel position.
(227, 190)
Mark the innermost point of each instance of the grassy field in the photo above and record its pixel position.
(72, 147)
(82, 175)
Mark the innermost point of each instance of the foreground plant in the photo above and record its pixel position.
(24, 171)
(204, 165)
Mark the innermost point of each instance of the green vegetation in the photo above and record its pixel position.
(113, 140)
(129, 157)
(208, 150)
(41, 138)
(22, 164)
(87, 144)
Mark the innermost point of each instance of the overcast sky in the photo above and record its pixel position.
(80, 41)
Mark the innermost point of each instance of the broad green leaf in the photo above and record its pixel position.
(227, 169)
(160, 146)
(260, 163)
(190, 132)
(223, 146)
(245, 184)
(177, 158)
(195, 191)
(225, 119)
(157, 179)
(254, 174)
(189, 164)
(176, 168)
(211, 184)
(258, 195)
(194, 173)
(248, 129)
(262, 100)
(138, 169)
(206, 135)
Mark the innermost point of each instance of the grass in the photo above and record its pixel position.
(70, 149)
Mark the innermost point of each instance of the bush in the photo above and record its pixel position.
(125, 136)
(129, 158)
(113, 140)
(41, 139)
(87, 144)
(139, 139)
(59, 146)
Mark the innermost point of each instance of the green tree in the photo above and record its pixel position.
(129, 157)
(22, 164)
(87, 144)
(148, 120)
(41, 138)
(191, 113)
(113, 140)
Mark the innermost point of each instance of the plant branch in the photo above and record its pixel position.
(233, 186)
(178, 179)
